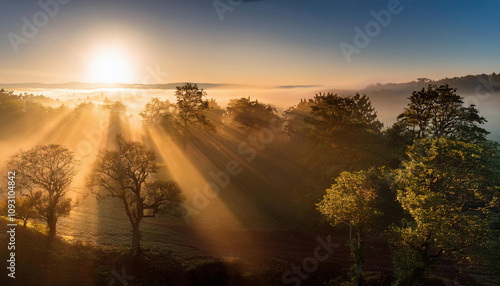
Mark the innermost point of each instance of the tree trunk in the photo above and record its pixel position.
(358, 260)
(52, 222)
(185, 136)
(136, 241)
(350, 232)
(417, 273)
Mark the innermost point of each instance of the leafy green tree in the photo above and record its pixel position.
(129, 173)
(192, 104)
(44, 175)
(352, 201)
(448, 189)
(252, 114)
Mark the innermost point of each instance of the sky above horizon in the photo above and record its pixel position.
(256, 42)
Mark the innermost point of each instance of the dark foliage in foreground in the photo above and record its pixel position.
(42, 261)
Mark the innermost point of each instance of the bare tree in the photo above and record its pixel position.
(130, 174)
(44, 175)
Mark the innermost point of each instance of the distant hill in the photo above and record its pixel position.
(466, 84)
(86, 86)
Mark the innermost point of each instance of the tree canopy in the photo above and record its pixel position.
(438, 111)
(345, 134)
(252, 114)
(130, 173)
(448, 188)
(192, 104)
(190, 111)
(162, 114)
(295, 118)
(44, 175)
(352, 201)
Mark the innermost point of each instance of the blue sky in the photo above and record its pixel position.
(273, 42)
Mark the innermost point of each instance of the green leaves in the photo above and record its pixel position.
(448, 188)
(350, 200)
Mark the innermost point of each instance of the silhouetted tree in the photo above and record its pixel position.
(215, 113)
(44, 175)
(11, 107)
(23, 112)
(295, 120)
(439, 112)
(345, 135)
(116, 107)
(26, 209)
(130, 174)
(494, 78)
(192, 104)
(162, 114)
(252, 114)
(423, 80)
(84, 106)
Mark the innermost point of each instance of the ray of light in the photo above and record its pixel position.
(213, 211)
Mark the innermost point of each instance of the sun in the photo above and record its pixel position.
(110, 65)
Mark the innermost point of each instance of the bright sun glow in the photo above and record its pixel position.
(110, 66)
